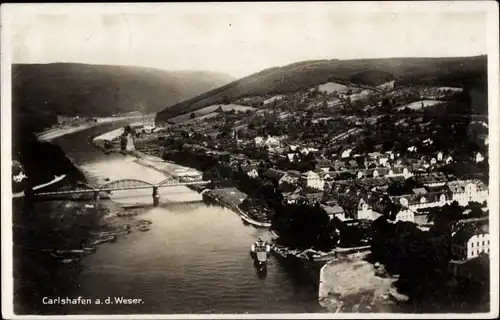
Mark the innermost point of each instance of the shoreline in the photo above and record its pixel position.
(53, 133)
(353, 284)
(240, 212)
(143, 160)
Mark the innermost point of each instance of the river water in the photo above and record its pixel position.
(194, 259)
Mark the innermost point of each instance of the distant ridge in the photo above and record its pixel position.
(455, 71)
(102, 90)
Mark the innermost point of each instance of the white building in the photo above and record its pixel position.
(479, 157)
(258, 141)
(366, 211)
(439, 156)
(346, 153)
(468, 244)
(468, 191)
(272, 143)
(312, 180)
(405, 215)
(250, 170)
(306, 151)
(289, 178)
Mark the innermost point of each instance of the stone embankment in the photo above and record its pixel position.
(353, 284)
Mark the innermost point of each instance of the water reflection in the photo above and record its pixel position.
(194, 259)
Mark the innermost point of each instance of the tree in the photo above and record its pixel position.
(192, 115)
(443, 217)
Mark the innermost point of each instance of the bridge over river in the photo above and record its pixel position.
(118, 185)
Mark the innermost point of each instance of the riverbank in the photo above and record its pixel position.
(231, 198)
(53, 133)
(354, 284)
(52, 237)
(228, 197)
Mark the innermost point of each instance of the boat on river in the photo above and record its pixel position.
(260, 251)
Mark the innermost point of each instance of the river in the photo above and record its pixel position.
(194, 259)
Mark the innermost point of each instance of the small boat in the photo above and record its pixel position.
(260, 250)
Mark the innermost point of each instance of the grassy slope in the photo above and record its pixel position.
(99, 90)
(303, 75)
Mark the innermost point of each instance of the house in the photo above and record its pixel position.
(405, 214)
(258, 141)
(292, 156)
(147, 128)
(353, 164)
(465, 191)
(292, 193)
(419, 191)
(346, 153)
(439, 156)
(312, 195)
(312, 180)
(250, 171)
(324, 165)
(291, 177)
(479, 157)
(305, 151)
(334, 210)
(326, 176)
(272, 143)
(383, 161)
(415, 202)
(468, 243)
(369, 206)
(287, 189)
(412, 149)
(273, 175)
(360, 174)
(435, 179)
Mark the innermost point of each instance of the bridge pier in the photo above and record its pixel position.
(96, 195)
(156, 196)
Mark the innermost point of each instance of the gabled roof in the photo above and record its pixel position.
(353, 163)
(309, 192)
(248, 168)
(333, 209)
(309, 173)
(324, 163)
(273, 174)
(416, 198)
(463, 235)
(419, 191)
(435, 177)
(287, 188)
(294, 173)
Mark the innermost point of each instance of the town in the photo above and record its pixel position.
(332, 166)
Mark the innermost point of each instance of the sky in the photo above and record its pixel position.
(240, 39)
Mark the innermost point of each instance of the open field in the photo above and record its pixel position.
(331, 87)
(211, 109)
(418, 104)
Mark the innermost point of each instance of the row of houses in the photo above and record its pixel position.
(368, 193)
(371, 204)
(462, 191)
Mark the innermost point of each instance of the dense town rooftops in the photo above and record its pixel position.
(248, 168)
(274, 174)
(431, 178)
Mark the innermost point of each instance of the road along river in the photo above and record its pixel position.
(194, 259)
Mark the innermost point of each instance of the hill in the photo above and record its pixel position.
(101, 90)
(369, 72)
